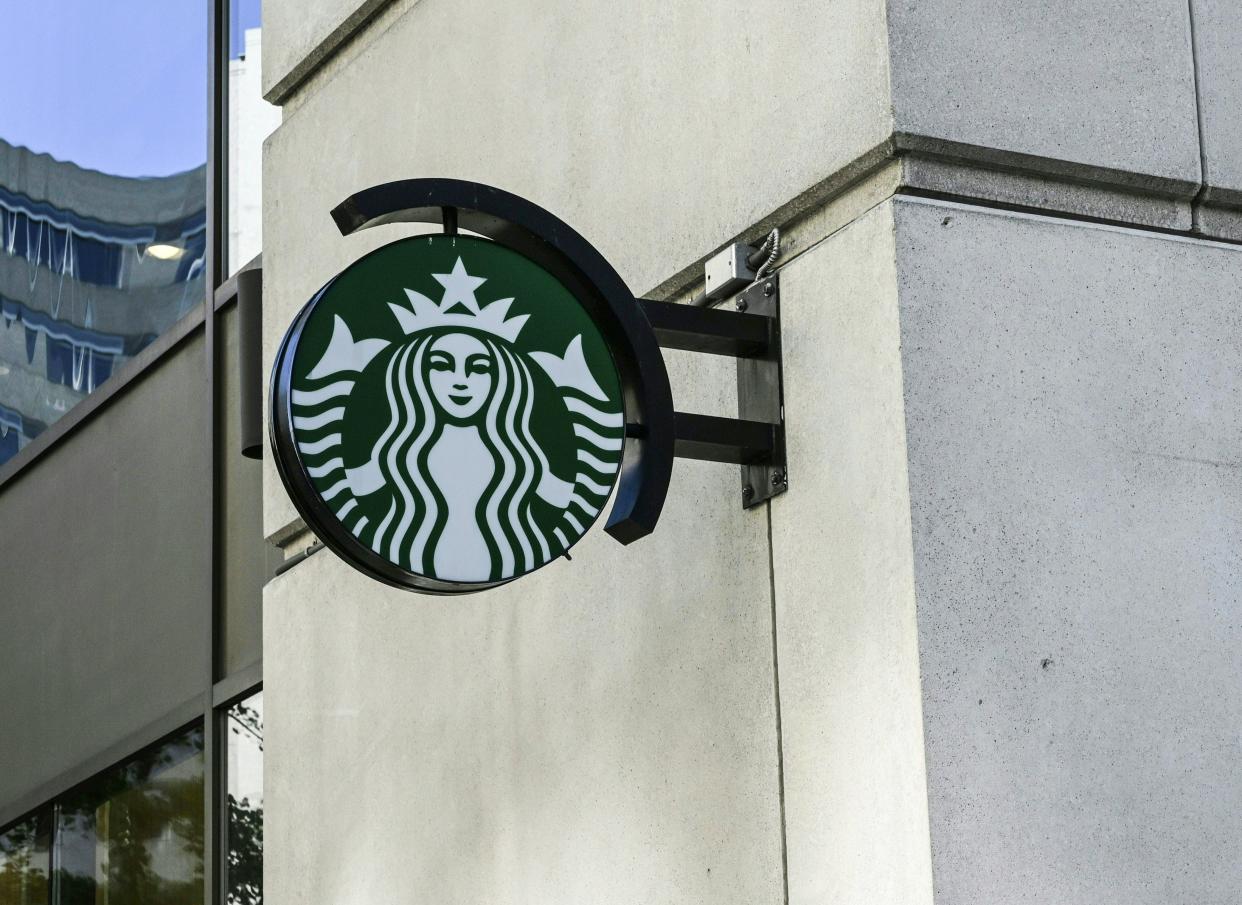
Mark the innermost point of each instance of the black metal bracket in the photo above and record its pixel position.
(755, 439)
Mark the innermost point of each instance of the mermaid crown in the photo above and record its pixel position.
(458, 308)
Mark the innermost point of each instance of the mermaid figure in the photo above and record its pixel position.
(451, 483)
(460, 458)
(455, 484)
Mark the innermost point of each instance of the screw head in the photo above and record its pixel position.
(748, 492)
(741, 305)
(778, 478)
(768, 288)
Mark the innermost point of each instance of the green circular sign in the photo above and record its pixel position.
(454, 414)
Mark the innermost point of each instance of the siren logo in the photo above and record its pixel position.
(455, 409)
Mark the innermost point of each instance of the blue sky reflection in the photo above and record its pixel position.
(117, 86)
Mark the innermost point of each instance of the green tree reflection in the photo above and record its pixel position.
(24, 864)
(245, 855)
(134, 836)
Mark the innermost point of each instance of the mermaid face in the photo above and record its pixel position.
(460, 374)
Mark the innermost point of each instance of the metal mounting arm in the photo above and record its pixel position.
(714, 439)
(710, 330)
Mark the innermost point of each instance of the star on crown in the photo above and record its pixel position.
(459, 287)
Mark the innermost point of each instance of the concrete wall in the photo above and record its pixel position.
(852, 741)
(104, 578)
(982, 650)
(1220, 93)
(305, 34)
(1219, 68)
(1073, 439)
(1103, 86)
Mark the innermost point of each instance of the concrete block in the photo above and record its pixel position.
(601, 731)
(1219, 221)
(855, 796)
(1218, 53)
(1107, 86)
(1087, 199)
(1073, 440)
(299, 36)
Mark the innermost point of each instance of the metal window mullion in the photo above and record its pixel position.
(53, 850)
(214, 740)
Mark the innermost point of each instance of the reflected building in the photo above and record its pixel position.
(93, 267)
(112, 283)
(251, 119)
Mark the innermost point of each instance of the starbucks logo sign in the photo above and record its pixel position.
(448, 412)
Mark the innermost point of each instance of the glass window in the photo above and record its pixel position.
(134, 834)
(251, 119)
(103, 148)
(25, 863)
(244, 867)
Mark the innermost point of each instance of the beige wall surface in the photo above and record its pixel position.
(304, 33)
(1134, 93)
(851, 728)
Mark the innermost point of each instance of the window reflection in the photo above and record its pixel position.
(102, 195)
(251, 119)
(134, 835)
(25, 862)
(244, 867)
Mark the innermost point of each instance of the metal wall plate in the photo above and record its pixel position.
(760, 394)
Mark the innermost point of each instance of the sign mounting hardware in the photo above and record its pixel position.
(453, 410)
(755, 440)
